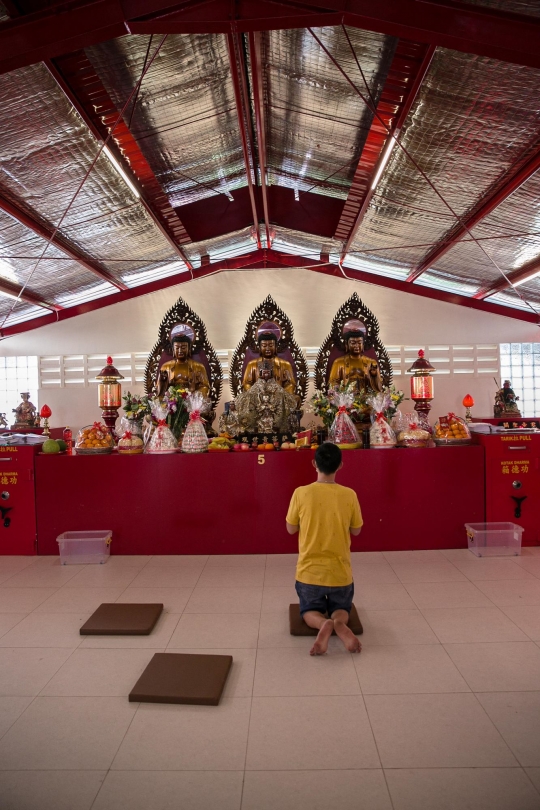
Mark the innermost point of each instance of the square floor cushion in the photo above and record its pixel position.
(298, 627)
(183, 678)
(122, 619)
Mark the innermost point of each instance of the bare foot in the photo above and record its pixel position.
(347, 636)
(321, 644)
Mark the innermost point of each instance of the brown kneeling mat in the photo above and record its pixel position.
(298, 627)
(118, 619)
(183, 678)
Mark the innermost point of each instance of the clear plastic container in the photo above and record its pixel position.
(494, 539)
(84, 548)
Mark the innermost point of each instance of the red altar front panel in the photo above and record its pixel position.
(231, 503)
(17, 500)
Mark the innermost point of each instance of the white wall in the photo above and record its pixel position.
(225, 301)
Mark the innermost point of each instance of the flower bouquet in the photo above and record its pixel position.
(342, 431)
(195, 439)
(174, 400)
(326, 405)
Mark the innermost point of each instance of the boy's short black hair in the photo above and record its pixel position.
(327, 458)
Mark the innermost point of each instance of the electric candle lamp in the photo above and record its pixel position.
(110, 394)
(421, 384)
(45, 413)
(468, 402)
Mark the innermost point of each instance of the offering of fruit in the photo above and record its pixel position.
(130, 445)
(94, 439)
(62, 445)
(50, 447)
(221, 444)
(451, 429)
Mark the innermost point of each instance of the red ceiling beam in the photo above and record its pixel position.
(242, 111)
(485, 207)
(405, 76)
(516, 276)
(271, 258)
(84, 89)
(58, 241)
(258, 102)
(471, 29)
(26, 295)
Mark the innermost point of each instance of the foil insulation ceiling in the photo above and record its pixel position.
(474, 122)
(185, 118)
(316, 123)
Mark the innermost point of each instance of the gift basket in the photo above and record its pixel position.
(409, 431)
(130, 444)
(94, 440)
(343, 431)
(381, 434)
(162, 439)
(195, 439)
(450, 430)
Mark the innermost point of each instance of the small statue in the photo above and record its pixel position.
(266, 407)
(282, 371)
(506, 401)
(3, 421)
(26, 414)
(355, 367)
(182, 371)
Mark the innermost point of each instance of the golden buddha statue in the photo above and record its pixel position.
(182, 371)
(266, 407)
(282, 371)
(355, 367)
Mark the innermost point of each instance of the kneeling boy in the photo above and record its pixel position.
(326, 514)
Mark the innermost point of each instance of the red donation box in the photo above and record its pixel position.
(17, 500)
(513, 481)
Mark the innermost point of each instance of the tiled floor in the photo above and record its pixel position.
(441, 711)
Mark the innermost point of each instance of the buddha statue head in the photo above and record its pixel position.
(181, 346)
(354, 334)
(267, 342)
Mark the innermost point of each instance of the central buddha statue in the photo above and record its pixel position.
(265, 407)
(355, 367)
(282, 371)
(182, 371)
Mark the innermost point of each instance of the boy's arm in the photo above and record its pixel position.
(292, 521)
(354, 532)
(356, 518)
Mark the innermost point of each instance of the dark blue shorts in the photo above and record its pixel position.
(324, 599)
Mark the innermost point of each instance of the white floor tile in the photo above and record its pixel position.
(497, 667)
(170, 790)
(49, 790)
(36, 576)
(26, 670)
(163, 576)
(416, 556)
(278, 598)
(23, 600)
(527, 618)
(447, 595)
(441, 571)
(534, 776)
(395, 627)
(11, 709)
(492, 568)
(223, 561)
(453, 788)
(66, 733)
(512, 592)
(287, 672)
(9, 620)
(454, 625)
(185, 561)
(315, 790)
(411, 669)
(46, 630)
(517, 716)
(242, 576)
(224, 600)
(372, 573)
(99, 673)
(78, 600)
(310, 733)
(381, 596)
(186, 738)
(173, 600)
(435, 731)
(215, 630)
(103, 576)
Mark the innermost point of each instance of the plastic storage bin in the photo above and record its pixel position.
(81, 548)
(494, 539)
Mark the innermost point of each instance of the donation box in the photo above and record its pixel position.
(17, 500)
(513, 481)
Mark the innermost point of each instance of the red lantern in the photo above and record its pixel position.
(110, 394)
(44, 413)
(467, 403)
(421, 384)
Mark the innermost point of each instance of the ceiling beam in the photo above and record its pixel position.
(519, 276)
(26, 295)
(47, 233)
(242, 112)
(484, 207)
(258, 102)
(76, 77)
(392, 111)
(63, 29)
(261, 258)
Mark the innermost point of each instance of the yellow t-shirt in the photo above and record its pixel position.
(325, 512)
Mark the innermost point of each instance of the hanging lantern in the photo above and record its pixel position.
(421, 384)
(468, 402)
(45, 413)
(110, 393)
